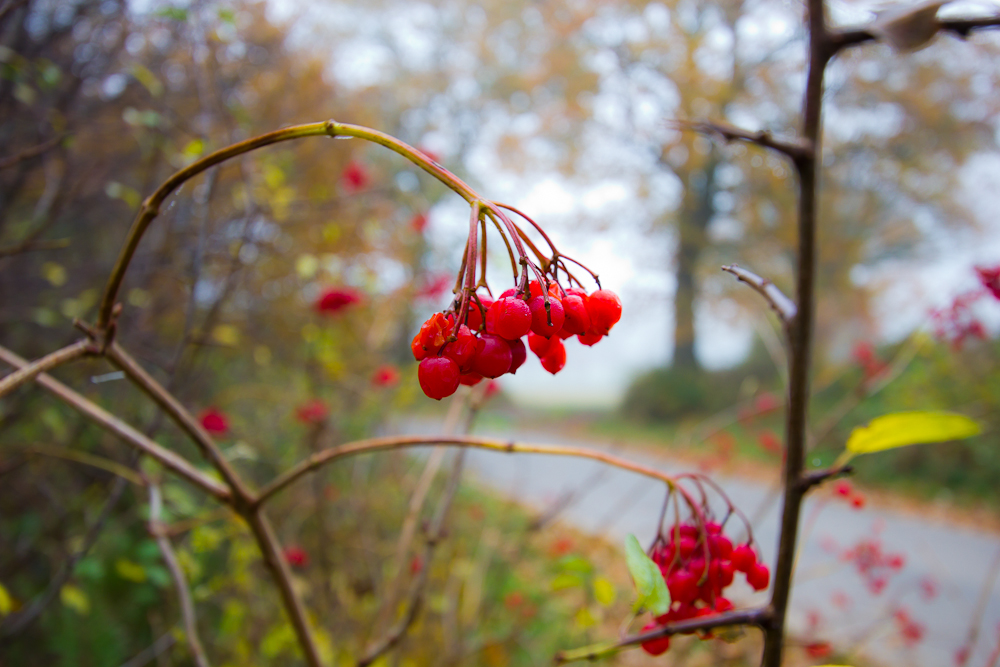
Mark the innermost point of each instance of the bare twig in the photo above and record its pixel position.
(757, 616)
(815, 477)
(29, 153)
(28, 371)
(103, 418)
(847, 37)
(17, 622)
(399, 442)
(30, 245)
(794, 149)
(180, 581)
(781, 304)
(150, 653)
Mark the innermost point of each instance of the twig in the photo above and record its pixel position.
(814, 477)
(757, 616)
(795, 149)
(984, 597)
(399, 442)
(781, 304)
(20, 620)
(103, 418)
(434, 536)
(31, 152)
(156, 529)
(30, 245)
(847, 37)
(29, 370)
(148, 654)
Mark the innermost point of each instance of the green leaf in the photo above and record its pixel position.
(6, 602)
(909, 428)
(649, 584)
(130, 570)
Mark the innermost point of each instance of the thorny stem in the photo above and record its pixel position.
(799, 337)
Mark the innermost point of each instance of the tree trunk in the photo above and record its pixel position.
(696, 212)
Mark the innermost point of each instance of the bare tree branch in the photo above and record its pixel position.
(28, 371)
(847, 37)
(180, 581)
(29, 153)
(782, 305)
(794, 149)
(102, 417)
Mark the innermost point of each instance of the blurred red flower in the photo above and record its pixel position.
(312, 412)
(335, 299)
(296, 556)
(990, 278)
(214, 421)
(385, 376)
(419, 223)
(355, 176)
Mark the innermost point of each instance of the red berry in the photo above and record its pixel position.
(656, 646)
(470, 379)
(843, 488)
(438, 377)
(493, 356)
(546, 321)
(506, 293)
(534, 289)
(577, 319)
(759, 576)
(312, 412)
(686, 547)
(555, 359)
(539, 344)
(462, 350)
(858, 501)
(605, 309)
(214, 421)
(683, 586)
(431, 337)
(508, 317)
(720, 546)
(590, 338)
(723, 604)
(743, 558)
(518, 354)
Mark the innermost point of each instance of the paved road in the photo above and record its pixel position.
(953, 559)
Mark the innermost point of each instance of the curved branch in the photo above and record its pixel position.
(102, 417)
(151, 206)
(782, 305)
(29, 371)
(793, 149)
(324, 457)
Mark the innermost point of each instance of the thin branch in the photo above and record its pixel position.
(27, 372)
(151, 206)
(30, 245)
(434, 536)
(17, 622)
(274, 559)
(29, 153)
(794, 149)
(847, 37)
(814, 477)
(103, 418)
(782, 305)
(758, 616)
(184, 419)
(156, 529)
(150, 653)
(399, 442)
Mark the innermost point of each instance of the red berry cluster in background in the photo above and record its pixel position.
(959, 322)
(489, 341)
(698, 562)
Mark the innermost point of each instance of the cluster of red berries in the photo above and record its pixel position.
(873, 563)
(698, 565)
(488, 343)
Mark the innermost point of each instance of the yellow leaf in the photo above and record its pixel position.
(604, 591)
(54, 273)
(909, 428)
(584, 619)
(75, 599)
(130, 570)
(306, 266)
(6, 602)
(226, 334)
